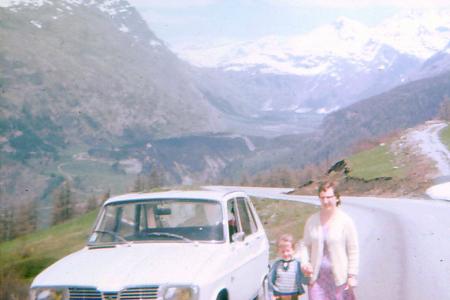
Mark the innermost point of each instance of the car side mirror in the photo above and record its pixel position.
(238, 236)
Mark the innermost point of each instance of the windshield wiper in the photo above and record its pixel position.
(114, 234)
(170, 235)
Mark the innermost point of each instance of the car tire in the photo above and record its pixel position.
(222, 296)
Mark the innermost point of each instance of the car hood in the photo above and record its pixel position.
(112, 269)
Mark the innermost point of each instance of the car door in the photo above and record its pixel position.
(249, 254)
(256, 245)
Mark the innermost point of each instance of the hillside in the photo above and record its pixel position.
(83, 77)
(403, 107)
(390, 166)
(94, 70)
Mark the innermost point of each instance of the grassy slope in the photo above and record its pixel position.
(375, 162)
(280, 217)
(30, 254)
(445, 136)
(380, 161)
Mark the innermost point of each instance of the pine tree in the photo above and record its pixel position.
(26, 218)
(105, 197)
(138, 185)
(62, 204)
(155, 179)
(7, 213)
(91, 204)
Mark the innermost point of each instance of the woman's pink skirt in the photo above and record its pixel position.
(324, 287)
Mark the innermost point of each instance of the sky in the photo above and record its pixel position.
(189, 21)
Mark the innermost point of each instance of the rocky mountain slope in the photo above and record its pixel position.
(94, 68)
(78, 75)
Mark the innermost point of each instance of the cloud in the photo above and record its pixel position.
(365, 3)
(172, 3)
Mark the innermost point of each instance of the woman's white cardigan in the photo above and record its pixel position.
(342, 243)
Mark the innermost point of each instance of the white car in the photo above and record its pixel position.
(177, 245)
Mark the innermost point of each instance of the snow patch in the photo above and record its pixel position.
(36, 23)
(439, 191)
(303, 110)
(327, 110)
(124, 28)
(10, 3)
(112, 7)
(155, 43)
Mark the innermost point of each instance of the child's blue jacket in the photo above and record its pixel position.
(299, 277)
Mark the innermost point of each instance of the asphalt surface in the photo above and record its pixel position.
(426, 139)
(404, 244)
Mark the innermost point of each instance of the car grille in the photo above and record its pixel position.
(135, 293)
(139, 293)
(84, 293)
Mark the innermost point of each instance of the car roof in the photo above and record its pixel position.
(206, 195)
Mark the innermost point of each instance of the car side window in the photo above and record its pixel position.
(232, 218)
(245, 216)
(251, 210)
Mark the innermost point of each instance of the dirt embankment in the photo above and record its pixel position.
(420, 170)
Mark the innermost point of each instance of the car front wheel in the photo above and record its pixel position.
(222, 296)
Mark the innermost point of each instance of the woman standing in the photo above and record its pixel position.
(329, 250)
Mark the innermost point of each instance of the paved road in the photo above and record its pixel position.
(426, 138)
(405, 244)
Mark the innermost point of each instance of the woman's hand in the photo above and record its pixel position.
(307, 269)
(351, 281)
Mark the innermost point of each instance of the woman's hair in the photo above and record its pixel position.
(324, 186)
(285, 238)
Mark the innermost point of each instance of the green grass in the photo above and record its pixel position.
(445, 136)
(373, 163)
(280, 217)
(30, 254)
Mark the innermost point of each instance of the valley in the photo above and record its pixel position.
(94, 102)
(67, 115)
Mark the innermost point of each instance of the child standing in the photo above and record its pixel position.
(286, 277)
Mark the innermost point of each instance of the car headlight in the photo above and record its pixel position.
(179, 293)
(55, 293)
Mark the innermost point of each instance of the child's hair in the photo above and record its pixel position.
(285, 238)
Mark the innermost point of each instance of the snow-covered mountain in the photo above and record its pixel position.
(435, 65)
(331, 66)
(418, 34)
(127, 20)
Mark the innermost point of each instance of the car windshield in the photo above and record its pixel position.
(168, 220)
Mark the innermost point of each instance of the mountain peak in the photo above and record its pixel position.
(344, 22)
